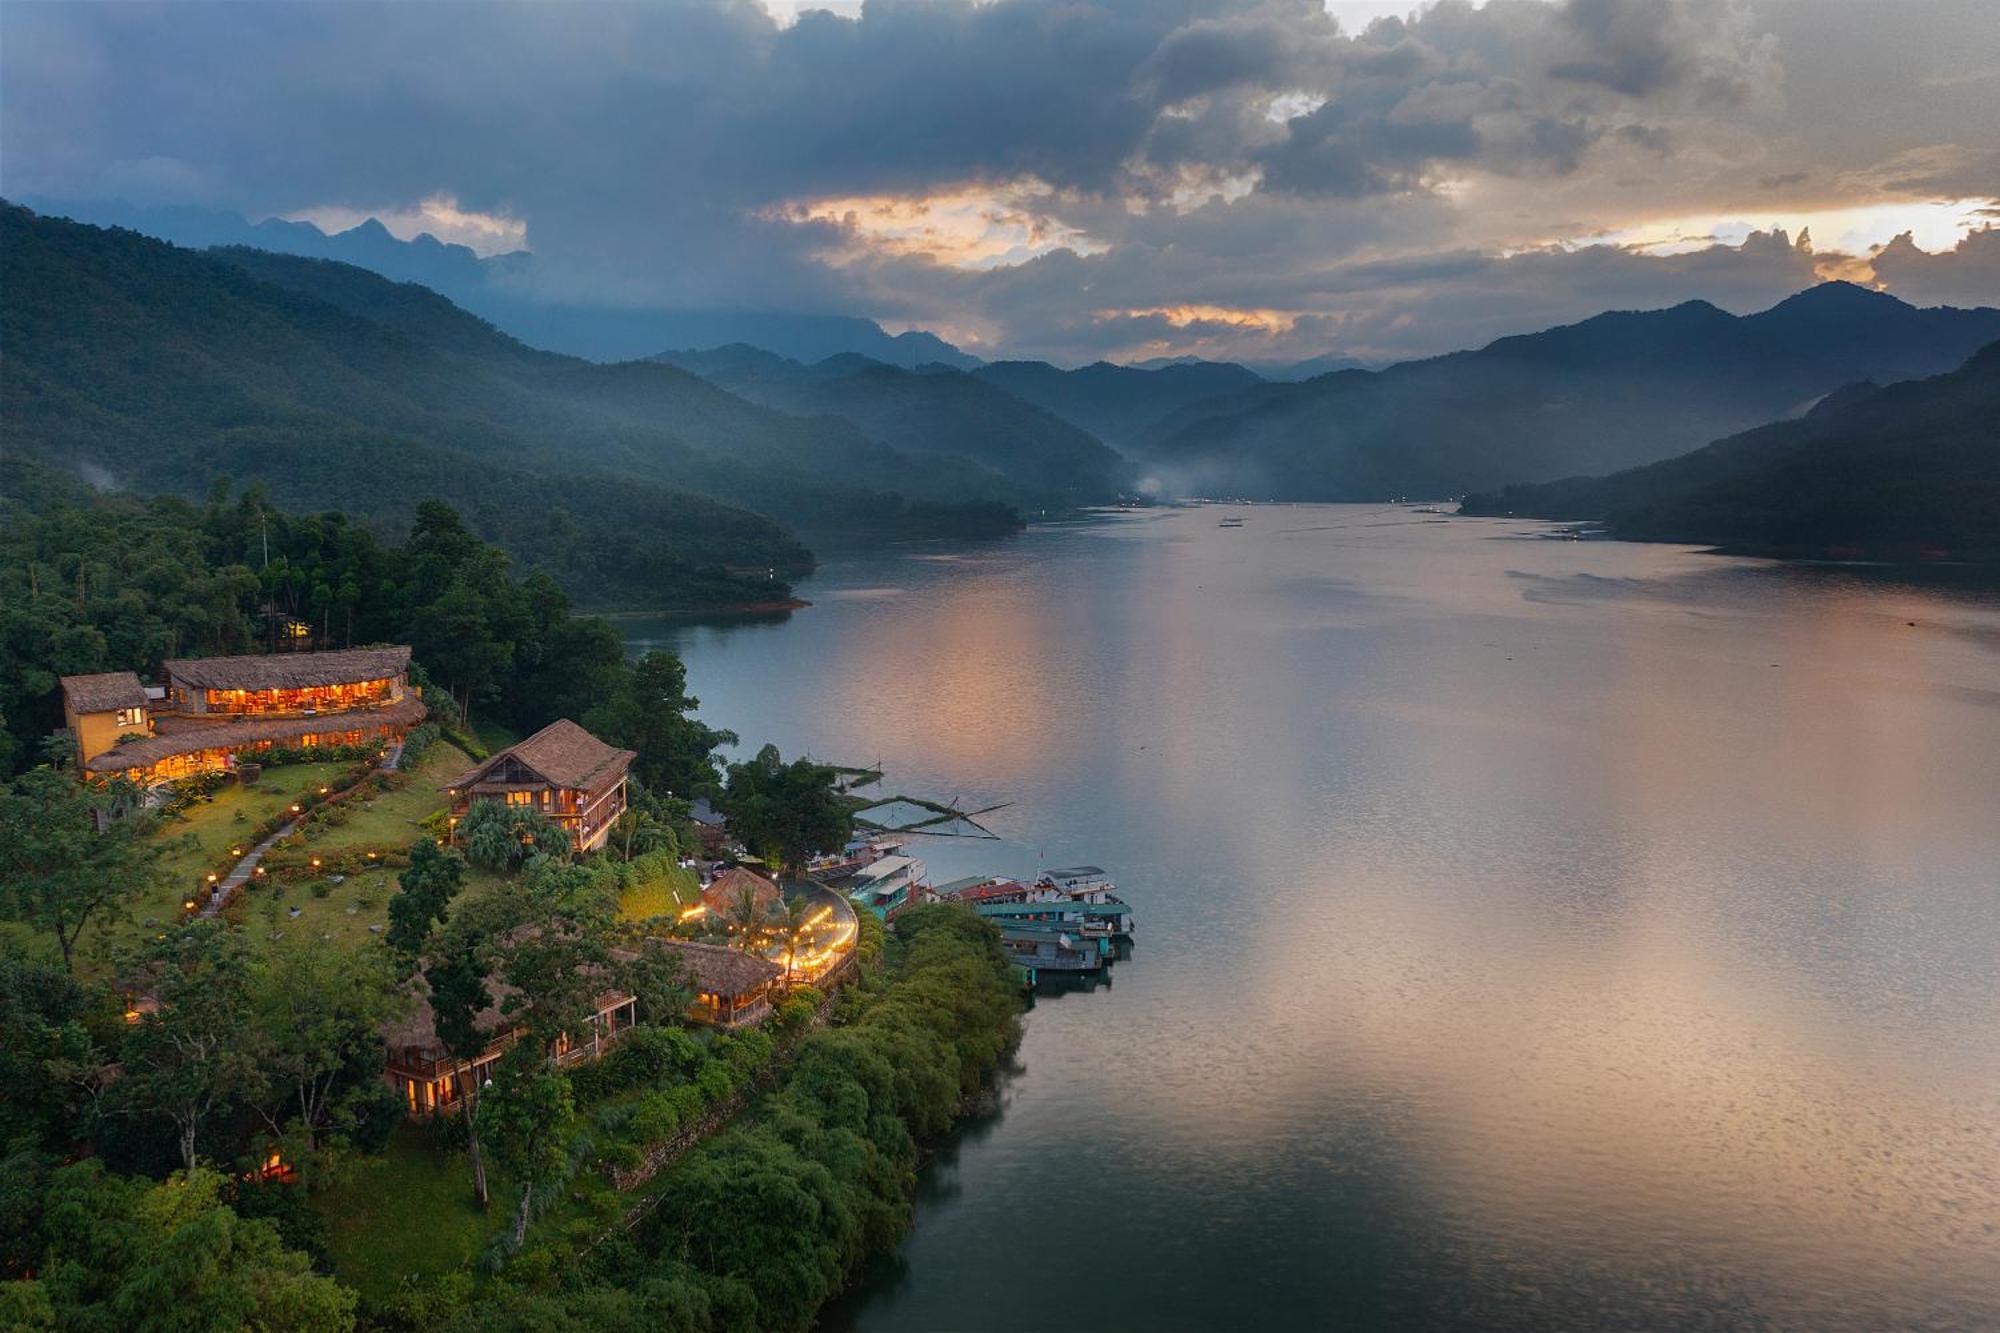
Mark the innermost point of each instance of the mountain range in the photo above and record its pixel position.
(500, 289)
(1618, 390)
(139, 364)
(1897, 471)
(931, 410)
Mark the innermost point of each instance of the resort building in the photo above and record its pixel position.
(429, 1078)
(732, 988)
(212, 709)
(563, 772)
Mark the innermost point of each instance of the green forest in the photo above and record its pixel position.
(144, 368)
(1906, 471)
(194, 1127)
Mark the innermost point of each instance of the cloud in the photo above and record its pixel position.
(1041, 176)
(1968, 274)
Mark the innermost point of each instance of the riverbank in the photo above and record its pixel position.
(764, 1223)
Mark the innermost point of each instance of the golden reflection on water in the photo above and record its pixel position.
(1636, 910)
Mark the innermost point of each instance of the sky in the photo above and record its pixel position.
(1070, 179)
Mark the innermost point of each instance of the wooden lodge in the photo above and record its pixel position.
(561, 771)
(430, 1079)
(212, 709)
(732, 988)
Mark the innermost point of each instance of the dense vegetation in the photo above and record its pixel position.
(935, 410)
(761, 1225)
(1908, 470)
(135, 364)
(194, 1127)
(101, 583)
(1614, 391)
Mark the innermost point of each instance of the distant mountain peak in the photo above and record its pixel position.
(1838, 296)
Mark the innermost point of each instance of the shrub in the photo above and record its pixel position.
(419, 742)
(657, 1116)
(321, 888)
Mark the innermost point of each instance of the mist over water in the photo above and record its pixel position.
(1531, 933)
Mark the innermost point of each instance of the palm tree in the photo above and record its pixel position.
(793, 925)
(749, 917)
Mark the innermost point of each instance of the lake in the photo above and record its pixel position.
(1531, 933)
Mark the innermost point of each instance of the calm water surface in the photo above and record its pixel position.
(1532, 934)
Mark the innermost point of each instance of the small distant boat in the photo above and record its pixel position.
(1230, 523)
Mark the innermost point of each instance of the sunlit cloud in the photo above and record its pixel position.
(438, 215)
(974, 227)
(1190, 316)
(1933, 225)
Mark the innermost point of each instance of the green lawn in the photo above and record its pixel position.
(390, 821)
(199, 840)
(663, 897)
(348, 910)
(407, 1211)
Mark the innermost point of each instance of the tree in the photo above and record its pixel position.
(428, 885)
(787, 812)
(124, 1253)
(43, 1037)
(528, 1118)
(58, 871)
(652, 713)
(321, 1011)
(198, 1051)
(499, 837)
(793, 927)
(548, 935)
(458, 995)
(749, 918)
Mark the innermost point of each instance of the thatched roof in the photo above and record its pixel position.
(563, 753)
(719, 971)
(414, 1036)
(104, 692)
(189, 735)
(726, 890)
(289, 671)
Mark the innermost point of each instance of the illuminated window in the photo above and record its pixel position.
(520, 798)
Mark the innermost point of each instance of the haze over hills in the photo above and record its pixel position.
(143, 365)
(1618, 390)
(1907, 469)
(497, 289)
(1118, 404)
(935, 410)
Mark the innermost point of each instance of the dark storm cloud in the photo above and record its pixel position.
(1241, 154)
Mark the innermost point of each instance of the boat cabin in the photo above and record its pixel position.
(887, 886)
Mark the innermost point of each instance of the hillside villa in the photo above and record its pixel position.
(211, 709)
(563, 772)
(429, 1078)
(732, 989)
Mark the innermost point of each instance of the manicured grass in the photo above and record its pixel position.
(392, 820)
(408, 1211)
(199, 840)
(665, 896)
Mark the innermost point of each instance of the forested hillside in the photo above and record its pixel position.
(935, 410)
(1912, 469)
(1119, 404)
(135, 364)
(1614, 391)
